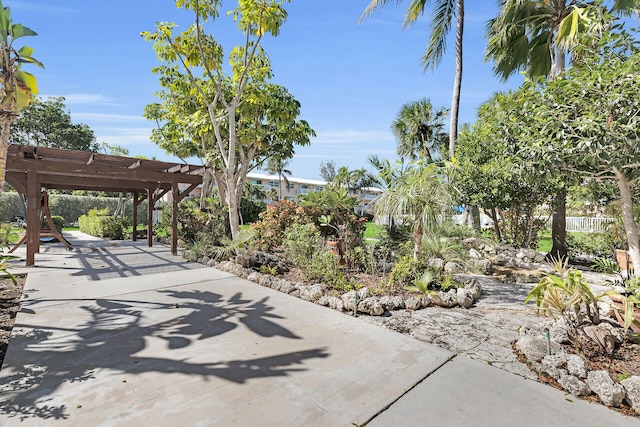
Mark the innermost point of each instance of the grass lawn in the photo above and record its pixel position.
(372, 230)
(545, 244)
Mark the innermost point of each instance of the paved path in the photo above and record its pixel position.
(104, 339)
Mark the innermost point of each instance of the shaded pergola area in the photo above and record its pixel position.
(34, 170)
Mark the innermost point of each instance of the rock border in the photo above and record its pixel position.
(365, 302)
(570, 371)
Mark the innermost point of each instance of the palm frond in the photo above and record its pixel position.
(441, 21)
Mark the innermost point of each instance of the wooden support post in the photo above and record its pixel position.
(33, 217)
(134, 218)
(174, 218)
(150, 217)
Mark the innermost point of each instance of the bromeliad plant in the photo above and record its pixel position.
(566, 295)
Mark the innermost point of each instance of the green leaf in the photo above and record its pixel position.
(18, 30)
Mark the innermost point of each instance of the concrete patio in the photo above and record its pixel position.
(115, 334)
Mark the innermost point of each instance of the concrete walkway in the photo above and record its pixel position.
(119, 335)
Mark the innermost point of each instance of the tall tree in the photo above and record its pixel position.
(45, 123)
(595, 113)
(18, 86)
(535, 36)
(244, 113)
(328, 170)
(444, 12)
(419, 130)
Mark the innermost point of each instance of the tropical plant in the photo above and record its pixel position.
(4, 268)
(7, 236)
(436, 246)
(420, 197)
(419, 130)
(536, 36)
(421, 285)
(18, 86)
(605, 265)
(565, 295)
(443, 14)
(239, 248)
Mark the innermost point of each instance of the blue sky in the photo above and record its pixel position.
(350, 79)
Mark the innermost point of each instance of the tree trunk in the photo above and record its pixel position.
(417, 240)
(233, 206)
(475, 218)
(630, 226)
(559, 227)
(7, 120)
(496, 225)
(457, 83)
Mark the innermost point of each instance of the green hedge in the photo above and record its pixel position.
(68, 206)
(11, 206)
(100, 224)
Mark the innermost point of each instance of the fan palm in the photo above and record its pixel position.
(442, 17)
(419, 130)
(418, 197)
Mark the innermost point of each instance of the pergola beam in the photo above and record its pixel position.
(30, 169)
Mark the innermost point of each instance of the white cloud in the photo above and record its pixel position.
(107, 118)
(88, 99)
(350, 136)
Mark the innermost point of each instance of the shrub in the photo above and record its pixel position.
(100, 224)
(7, 236)
(70, 207)
(599, 245)
(194, 222)
(58, 222)
(406, 270)
(306, 249)
(271, 229)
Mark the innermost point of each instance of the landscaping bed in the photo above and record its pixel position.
(10, 295)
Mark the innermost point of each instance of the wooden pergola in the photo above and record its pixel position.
(34, 170)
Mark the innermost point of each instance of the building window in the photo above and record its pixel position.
(274, 184)
(319, 187)
(291, 186)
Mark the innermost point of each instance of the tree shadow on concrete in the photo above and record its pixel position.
(116, 335)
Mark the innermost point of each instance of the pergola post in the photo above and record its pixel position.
(150, 205)
(175, 192)
(134, 218)
(33, 217)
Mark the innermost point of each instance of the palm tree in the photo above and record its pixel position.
(536, 36)
(418, 129)
(442, 17)
(18, 86)
(418, 197)
(276, 165)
